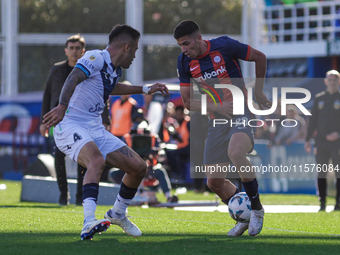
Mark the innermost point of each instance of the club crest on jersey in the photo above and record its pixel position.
(217, 59)
(92, 57)
(320, 105)
(337, 104)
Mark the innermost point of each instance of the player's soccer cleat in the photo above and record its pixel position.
(93, 227)
(239, 229)
(128, 227)
(256, 222)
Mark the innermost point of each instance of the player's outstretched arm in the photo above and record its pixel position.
(260, 71)
(226, 109)
(158, 87)
(56, 115)
(123, 89)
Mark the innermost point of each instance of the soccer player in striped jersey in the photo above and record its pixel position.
(80, 134)
(210, 62)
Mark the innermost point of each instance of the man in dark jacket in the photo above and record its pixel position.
(325, 120)
(74, 49)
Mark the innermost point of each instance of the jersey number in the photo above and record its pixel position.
(76, 137)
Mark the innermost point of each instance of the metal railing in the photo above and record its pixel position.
(315, 21)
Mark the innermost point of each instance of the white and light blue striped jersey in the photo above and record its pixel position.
(89, 98)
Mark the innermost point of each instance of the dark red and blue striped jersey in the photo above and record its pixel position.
(218, 65)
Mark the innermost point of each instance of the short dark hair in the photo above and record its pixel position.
(186, 27)
(123, 30)
(76, 38)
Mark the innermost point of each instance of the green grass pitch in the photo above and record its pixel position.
(37, 228)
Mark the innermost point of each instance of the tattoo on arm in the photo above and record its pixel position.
(75, 77)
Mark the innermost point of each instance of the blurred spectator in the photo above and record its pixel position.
(179, 134)
(167, 122)
(295, 128)
(123, 111)
(155, 108)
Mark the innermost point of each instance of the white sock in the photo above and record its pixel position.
(120, 206)
(167, 194)
(89, 205)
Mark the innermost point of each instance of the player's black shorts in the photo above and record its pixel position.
(216, 147)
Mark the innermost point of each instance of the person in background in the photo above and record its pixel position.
(74, 49)
(123, 112)
(325, 120)
(179, 133)
(296, 131)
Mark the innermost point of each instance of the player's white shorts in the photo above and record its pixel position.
(70, 138)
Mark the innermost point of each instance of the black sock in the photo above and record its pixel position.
(91, 190)
(226, 201)
(252, 190)
(127, 192)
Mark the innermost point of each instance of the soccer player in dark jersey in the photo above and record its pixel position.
(216, 62)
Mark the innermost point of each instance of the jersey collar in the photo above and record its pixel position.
(116, 70)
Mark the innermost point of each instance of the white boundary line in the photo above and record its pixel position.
(267, 208)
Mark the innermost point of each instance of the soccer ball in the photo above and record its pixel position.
(239, 207)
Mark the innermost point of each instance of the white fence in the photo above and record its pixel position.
(307, 22)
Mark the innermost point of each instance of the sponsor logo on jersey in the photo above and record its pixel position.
(88, 64)
(192, 69)
(212, 74)
(321, 104)
(92, 58)
(97, 108)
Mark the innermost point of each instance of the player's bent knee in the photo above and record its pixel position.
(215, 185)
(140, 168)
(236, 155)
(97, 163)
(143, 169)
